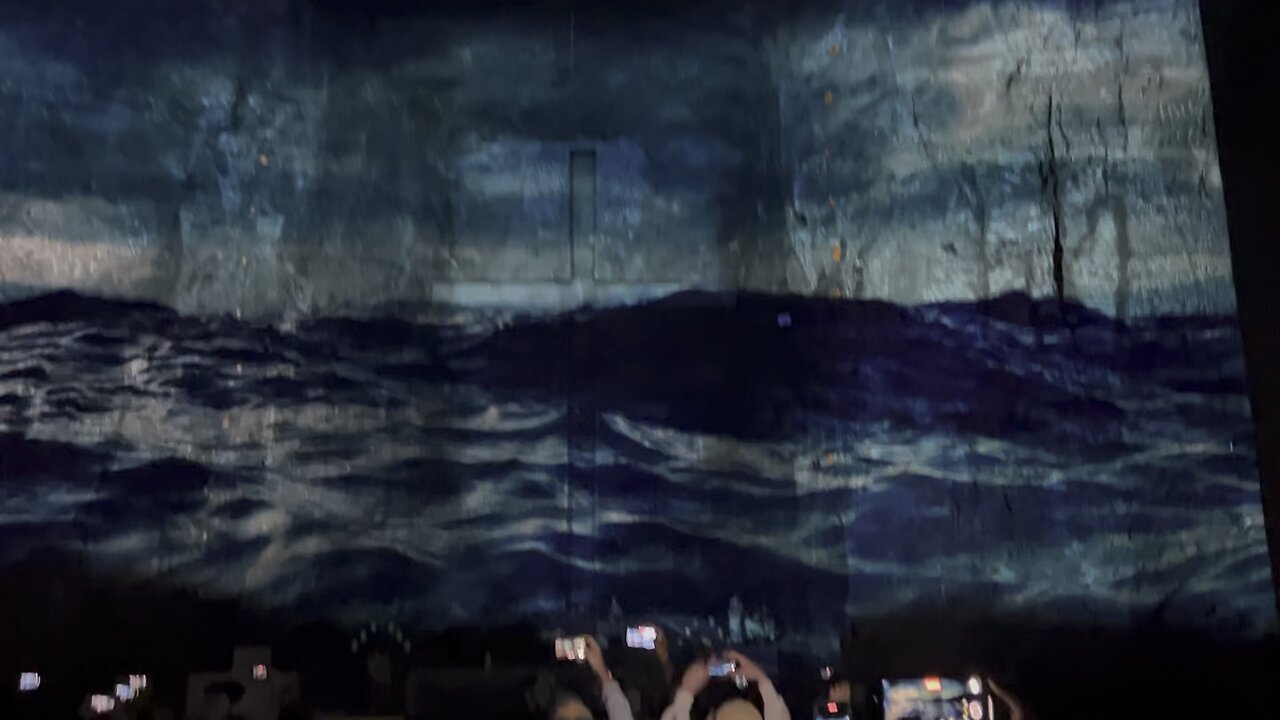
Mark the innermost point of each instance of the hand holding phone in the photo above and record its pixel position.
(746, 667)
(695, 678)
(595, 658)
(571, 649)
(644, 637)
(718, 668)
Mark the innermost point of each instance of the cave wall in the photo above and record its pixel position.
(994, 369)
(302, 159)
(322, 159)
(939, 151)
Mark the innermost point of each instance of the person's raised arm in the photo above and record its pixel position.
(694, 680)
(1015, 708)
(615, 702)
(774, 707)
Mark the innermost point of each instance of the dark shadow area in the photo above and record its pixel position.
(84, 629)
(1237, 45)
(1069, 671)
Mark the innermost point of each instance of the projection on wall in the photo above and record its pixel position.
(840, 312)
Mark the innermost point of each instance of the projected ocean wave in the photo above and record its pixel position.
(797, 453)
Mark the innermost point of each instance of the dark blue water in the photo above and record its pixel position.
(811, 457)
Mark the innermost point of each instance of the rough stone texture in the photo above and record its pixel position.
(82, 242)
(303, 159)
(833, 459)
(938, 152)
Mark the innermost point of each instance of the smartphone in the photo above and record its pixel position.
(722, 669)
(831, 711)
(936, 698)
(644, 637)
(573, 649)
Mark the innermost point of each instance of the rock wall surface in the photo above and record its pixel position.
(308, 158)
(941, 152)
(1010, 442)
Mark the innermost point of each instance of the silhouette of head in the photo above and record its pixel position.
(568, 706)
(736, 709)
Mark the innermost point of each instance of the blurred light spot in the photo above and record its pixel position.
(784, 319)
(933, 684)
(263, 160)
(138, 682)
(837, 252)
(975, 685)
(975, 710)
(28, 681)
(124, 693)
(259, 672)
(828, 97)
(833, 50)
(102, 703)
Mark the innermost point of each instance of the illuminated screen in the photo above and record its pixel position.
(917, 700)
(642, 637)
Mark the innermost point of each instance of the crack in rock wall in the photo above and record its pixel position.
(1085, 130)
